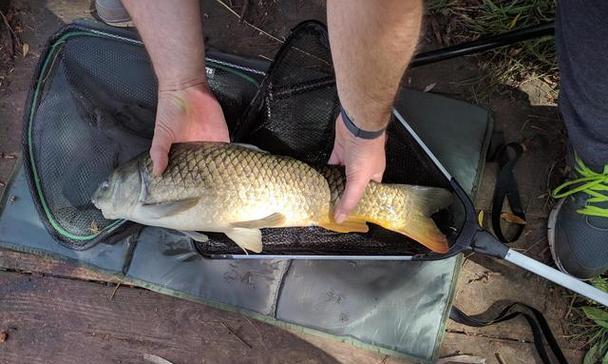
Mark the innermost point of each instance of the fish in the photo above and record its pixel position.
(238, 189)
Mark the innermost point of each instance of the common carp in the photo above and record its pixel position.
(237, 189)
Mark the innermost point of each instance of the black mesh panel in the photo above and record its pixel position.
(294, 114)
(95, 111)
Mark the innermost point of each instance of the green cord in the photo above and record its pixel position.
(592, 183)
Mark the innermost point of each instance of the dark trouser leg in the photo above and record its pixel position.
(582, 44)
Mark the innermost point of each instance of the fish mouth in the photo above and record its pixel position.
(100, 193)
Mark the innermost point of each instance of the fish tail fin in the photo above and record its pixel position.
(418, 225)
(424, 230)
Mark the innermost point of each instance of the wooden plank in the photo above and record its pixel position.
(28, 263)
(55, 320)
(49, 268)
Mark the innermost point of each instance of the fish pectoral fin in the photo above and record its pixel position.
(350, 225)
(250, 146)
(169, 208)
(271, 220)
(247, 239)
(196, 236)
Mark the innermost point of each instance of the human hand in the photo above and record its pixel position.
(189, 114)
(363, 159)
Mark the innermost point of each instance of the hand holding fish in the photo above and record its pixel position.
(186, 115)
(364, 161)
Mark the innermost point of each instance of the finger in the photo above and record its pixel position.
(159, 151)
(377, 177)
(352, 194)
(333, 158)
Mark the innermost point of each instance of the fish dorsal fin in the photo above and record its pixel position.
(247, 239)
(250, 146)
(271, 220)
(169, 208)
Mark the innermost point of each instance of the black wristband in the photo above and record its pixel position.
(356, 131)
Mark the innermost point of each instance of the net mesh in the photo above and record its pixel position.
(294, 114)
(96, 111)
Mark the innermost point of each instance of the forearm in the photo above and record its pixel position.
(172, 34)
(372, 43)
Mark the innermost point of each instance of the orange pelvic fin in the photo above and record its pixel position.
(350, 225)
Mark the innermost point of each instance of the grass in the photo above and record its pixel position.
(465, 20)
(592, 326)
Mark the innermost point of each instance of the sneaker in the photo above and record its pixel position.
(113, 13)
(578, 225)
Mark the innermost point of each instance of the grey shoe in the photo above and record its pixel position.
(578, 225)
(113, 13)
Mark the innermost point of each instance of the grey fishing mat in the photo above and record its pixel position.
(397, 307)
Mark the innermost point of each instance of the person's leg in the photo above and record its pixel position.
(578, 234)
(582, 44)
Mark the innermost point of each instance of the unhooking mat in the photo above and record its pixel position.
(396, 307)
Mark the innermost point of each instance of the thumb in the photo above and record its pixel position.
(159, 151)
(333, 158)
(355, 187)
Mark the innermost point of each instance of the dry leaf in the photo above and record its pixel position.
(94, 228)
(3, 336)
(509, 217)
(26, 49)
(480, 217)
(156, 359)
(430, 87)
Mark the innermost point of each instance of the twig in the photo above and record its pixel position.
(570, 306)
(115, 290)
(258, 332)
(499, 358)
(15, 40)
(244, 10)
(237, 336)
(156, 359)
(265, 32)
(534, 244)
(248, 23)
(8, 155)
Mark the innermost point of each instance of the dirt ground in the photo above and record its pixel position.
(523, 116)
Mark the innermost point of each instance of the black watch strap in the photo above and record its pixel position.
(356, 131)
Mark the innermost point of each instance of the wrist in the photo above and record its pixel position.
(181, 84)
(361, 132)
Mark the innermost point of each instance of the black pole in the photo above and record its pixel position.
(483, 44)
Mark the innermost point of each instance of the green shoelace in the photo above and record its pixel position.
(591, 183)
